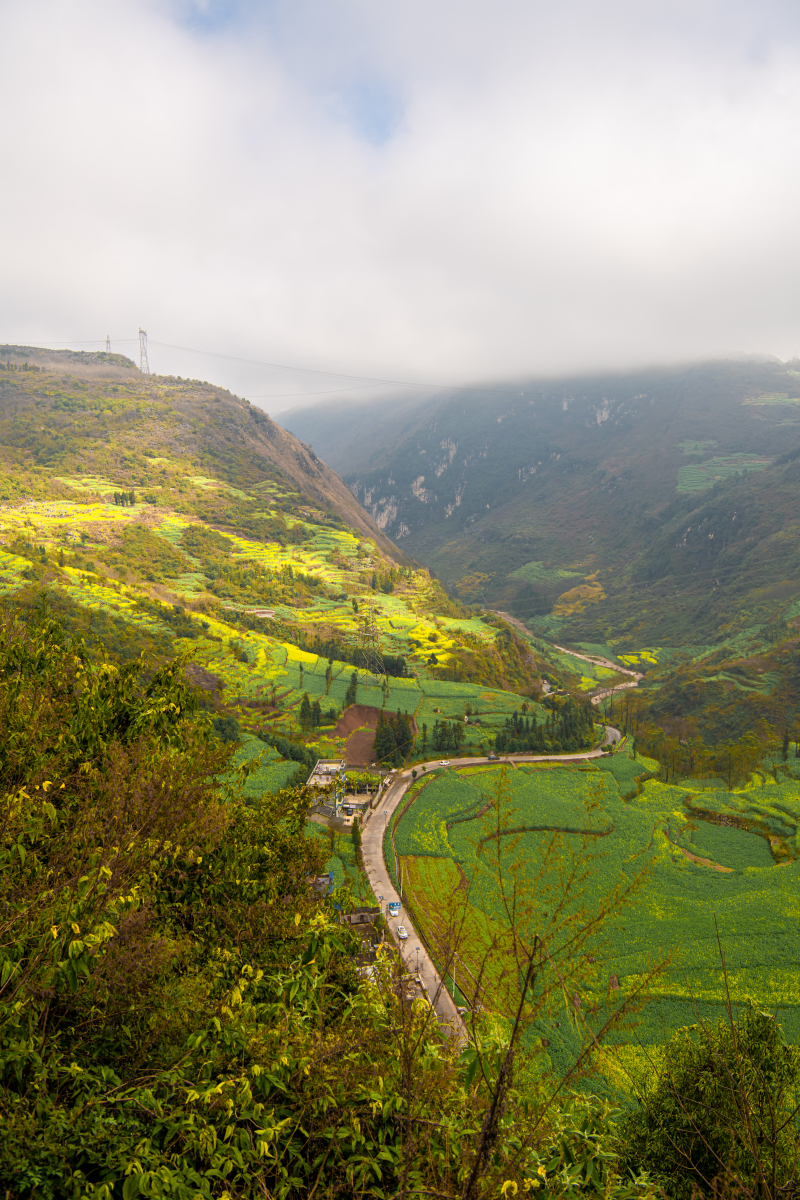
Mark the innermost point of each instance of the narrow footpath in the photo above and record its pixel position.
(412, 951)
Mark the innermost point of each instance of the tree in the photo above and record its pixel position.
(785, 745)
(316, 715)
(352, 690)
(180, 1009)
(384, 746)
(305, 712)
(722, 1116)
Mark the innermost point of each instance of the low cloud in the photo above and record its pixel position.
(447, 192)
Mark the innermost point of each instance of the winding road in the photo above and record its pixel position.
(413, 953)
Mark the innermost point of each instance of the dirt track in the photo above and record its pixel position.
(360, 721)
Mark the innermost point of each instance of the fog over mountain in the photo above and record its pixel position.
(416, 193)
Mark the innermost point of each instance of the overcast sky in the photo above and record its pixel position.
(442, 191)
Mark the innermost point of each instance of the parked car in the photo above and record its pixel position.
(445, 762)
(493, 757)
(402, 932)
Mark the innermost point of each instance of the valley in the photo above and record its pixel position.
(549, 644)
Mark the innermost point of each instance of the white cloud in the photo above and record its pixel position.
(441, 191)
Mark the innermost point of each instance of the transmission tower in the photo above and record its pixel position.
(108, 344)
(144, 365)
(369, 645)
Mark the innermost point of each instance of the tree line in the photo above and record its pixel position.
(567, 728)
(394, 739)
(182, 1014)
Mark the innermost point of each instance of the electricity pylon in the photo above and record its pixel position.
(144, 365)
(108, 344)
(369, 645)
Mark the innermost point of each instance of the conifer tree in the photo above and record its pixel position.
(384, 746)
(352, 690)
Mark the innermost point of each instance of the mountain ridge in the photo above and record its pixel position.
(506, 496)
(233, 424)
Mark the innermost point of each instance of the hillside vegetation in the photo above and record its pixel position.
(518, 496)
(194, 609)
(162, 513)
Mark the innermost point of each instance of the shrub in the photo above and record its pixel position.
(723, 1112)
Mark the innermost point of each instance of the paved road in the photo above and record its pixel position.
(412, 951)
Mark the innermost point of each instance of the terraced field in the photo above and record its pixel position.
(131, 568)
(708, 860)
(696, 477)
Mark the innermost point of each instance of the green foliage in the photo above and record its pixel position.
(697, 866)
(226, 728)
(352, 690)
(393, 738)
(721, 1112)
(180, 1013)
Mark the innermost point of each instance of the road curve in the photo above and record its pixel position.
(597, 660)
(413, 953)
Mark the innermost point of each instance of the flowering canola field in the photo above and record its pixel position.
(699, 876)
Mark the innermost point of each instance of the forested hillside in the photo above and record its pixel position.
(155, 514)
(194, 610)
(517, 496)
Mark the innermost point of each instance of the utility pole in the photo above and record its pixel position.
(144, 366)
(108, 344)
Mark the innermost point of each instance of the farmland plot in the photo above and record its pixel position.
(695, 871)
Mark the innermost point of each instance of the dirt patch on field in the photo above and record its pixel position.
(704, 862)
(358, 751)
(356, 717)
(203, 679)
(360, 721)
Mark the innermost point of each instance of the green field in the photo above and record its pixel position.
(342, 862)
(751, 890)
(126, 570)
(696, 477)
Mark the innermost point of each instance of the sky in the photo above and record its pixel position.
(319, 199)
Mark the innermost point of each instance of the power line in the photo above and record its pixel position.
(75, 342)
(326, 392)
(254, 362)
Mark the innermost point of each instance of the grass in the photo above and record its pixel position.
(342, 862)
(538, 572)
(697, 477)
(269, 772)
(755, 901)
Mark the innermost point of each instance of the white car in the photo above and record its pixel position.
(445, 762)
(402, 932)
